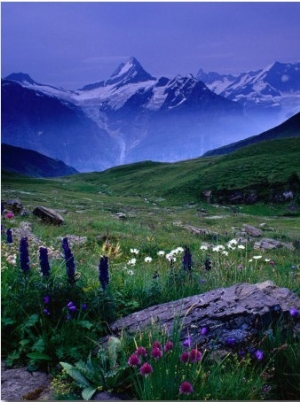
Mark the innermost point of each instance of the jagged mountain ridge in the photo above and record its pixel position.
(274, 90)
(129, 117)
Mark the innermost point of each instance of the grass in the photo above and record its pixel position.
(156, 199)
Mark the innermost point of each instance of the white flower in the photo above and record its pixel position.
(250, 260)
(241, 246)
(218, 248)
(134, 250)
(179, 250)
(148, 259)
(203, 247)
(267, 259)
(130, 272)
(231, 247)
(232, 242)
(132, 261)
(257, 257)
(170, 257)
(225, 252)
(161, 253)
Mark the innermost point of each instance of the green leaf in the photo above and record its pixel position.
(85, 324)
(38, 356)
(7, 321)
(87, 393)
(76, 375)
(33, 319)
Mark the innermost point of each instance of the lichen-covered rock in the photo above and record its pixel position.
(48, 215)
(237, 312)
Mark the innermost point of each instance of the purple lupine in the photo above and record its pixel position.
(69, 258)
(103, 272)
(187, 260)
(9, 238)
(24, 255)
(44, 262)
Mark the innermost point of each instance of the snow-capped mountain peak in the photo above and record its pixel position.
(21, 78)
(129, 72)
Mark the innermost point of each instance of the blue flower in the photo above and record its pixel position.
(9, 236)
(103, 272)
(230, 341)
(24, 254)
(44, 263)
(69, 259)
(187, 342)
(71, 306)
(259, 354)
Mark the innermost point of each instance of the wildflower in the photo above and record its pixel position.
(46, 299)
(187, 260)
(156, 344)
(240, 267)
(84, 306)
(170, 257)
(294, 312)
(134, 360)
(218, 248)
(257, 257)
(134, 251)
(130, 272)
(293, 267)
(168, 346)
(203, 247)
(225, 252)
(188, 341)
(272, 262)
(241, 246)
(259, 354)
(186, 388)
(195, 356)
(68, 317)
(12, 259)
(184, 358)
(132, 261)
(46, 311)
(69, 258)
(202, 280)
(9, 236)
(230, 341)
(148, 259)
(10, 215)
(24, 255)
(141, 351)
(204, 331)
(156, 353)
(146, 369)
(44, 263)
(161, 253)
(103, 270)
(71, 306)
(267, 259)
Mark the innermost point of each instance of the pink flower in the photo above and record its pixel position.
(134, 360)
(168, 346)
(9, 215)
(146, 369)
(141, 351)
(195, 356)
(186, 388)
(184, 357)
(156, 353)
(156, 344)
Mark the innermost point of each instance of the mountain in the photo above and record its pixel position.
(289, 129)
(130, 117)
(273, 92)
(31, 163)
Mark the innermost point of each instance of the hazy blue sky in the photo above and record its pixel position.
(71, 44)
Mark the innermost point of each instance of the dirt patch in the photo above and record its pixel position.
(19, 384)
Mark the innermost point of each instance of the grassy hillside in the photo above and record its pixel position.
(289, 128)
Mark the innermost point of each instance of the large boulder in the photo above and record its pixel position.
(48, 215)
(236, 313)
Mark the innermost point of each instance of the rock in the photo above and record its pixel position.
(48, 215)
(239, 312)
(75, 240)
(121, 216)
(194, 230)
(13, 205)
(252, 231)
(106, 396)
(269, 244)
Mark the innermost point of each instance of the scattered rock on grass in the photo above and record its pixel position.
(48, 215)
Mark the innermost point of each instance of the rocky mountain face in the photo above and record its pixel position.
(272, 93)
(130, 117)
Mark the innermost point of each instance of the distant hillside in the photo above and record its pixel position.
(265, 170)
(290, 128)
(32, 163)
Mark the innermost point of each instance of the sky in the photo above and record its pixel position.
(71, 44)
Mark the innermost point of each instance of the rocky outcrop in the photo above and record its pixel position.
(48, 215)
(211, 319)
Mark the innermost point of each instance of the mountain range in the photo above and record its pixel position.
(133, 116)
